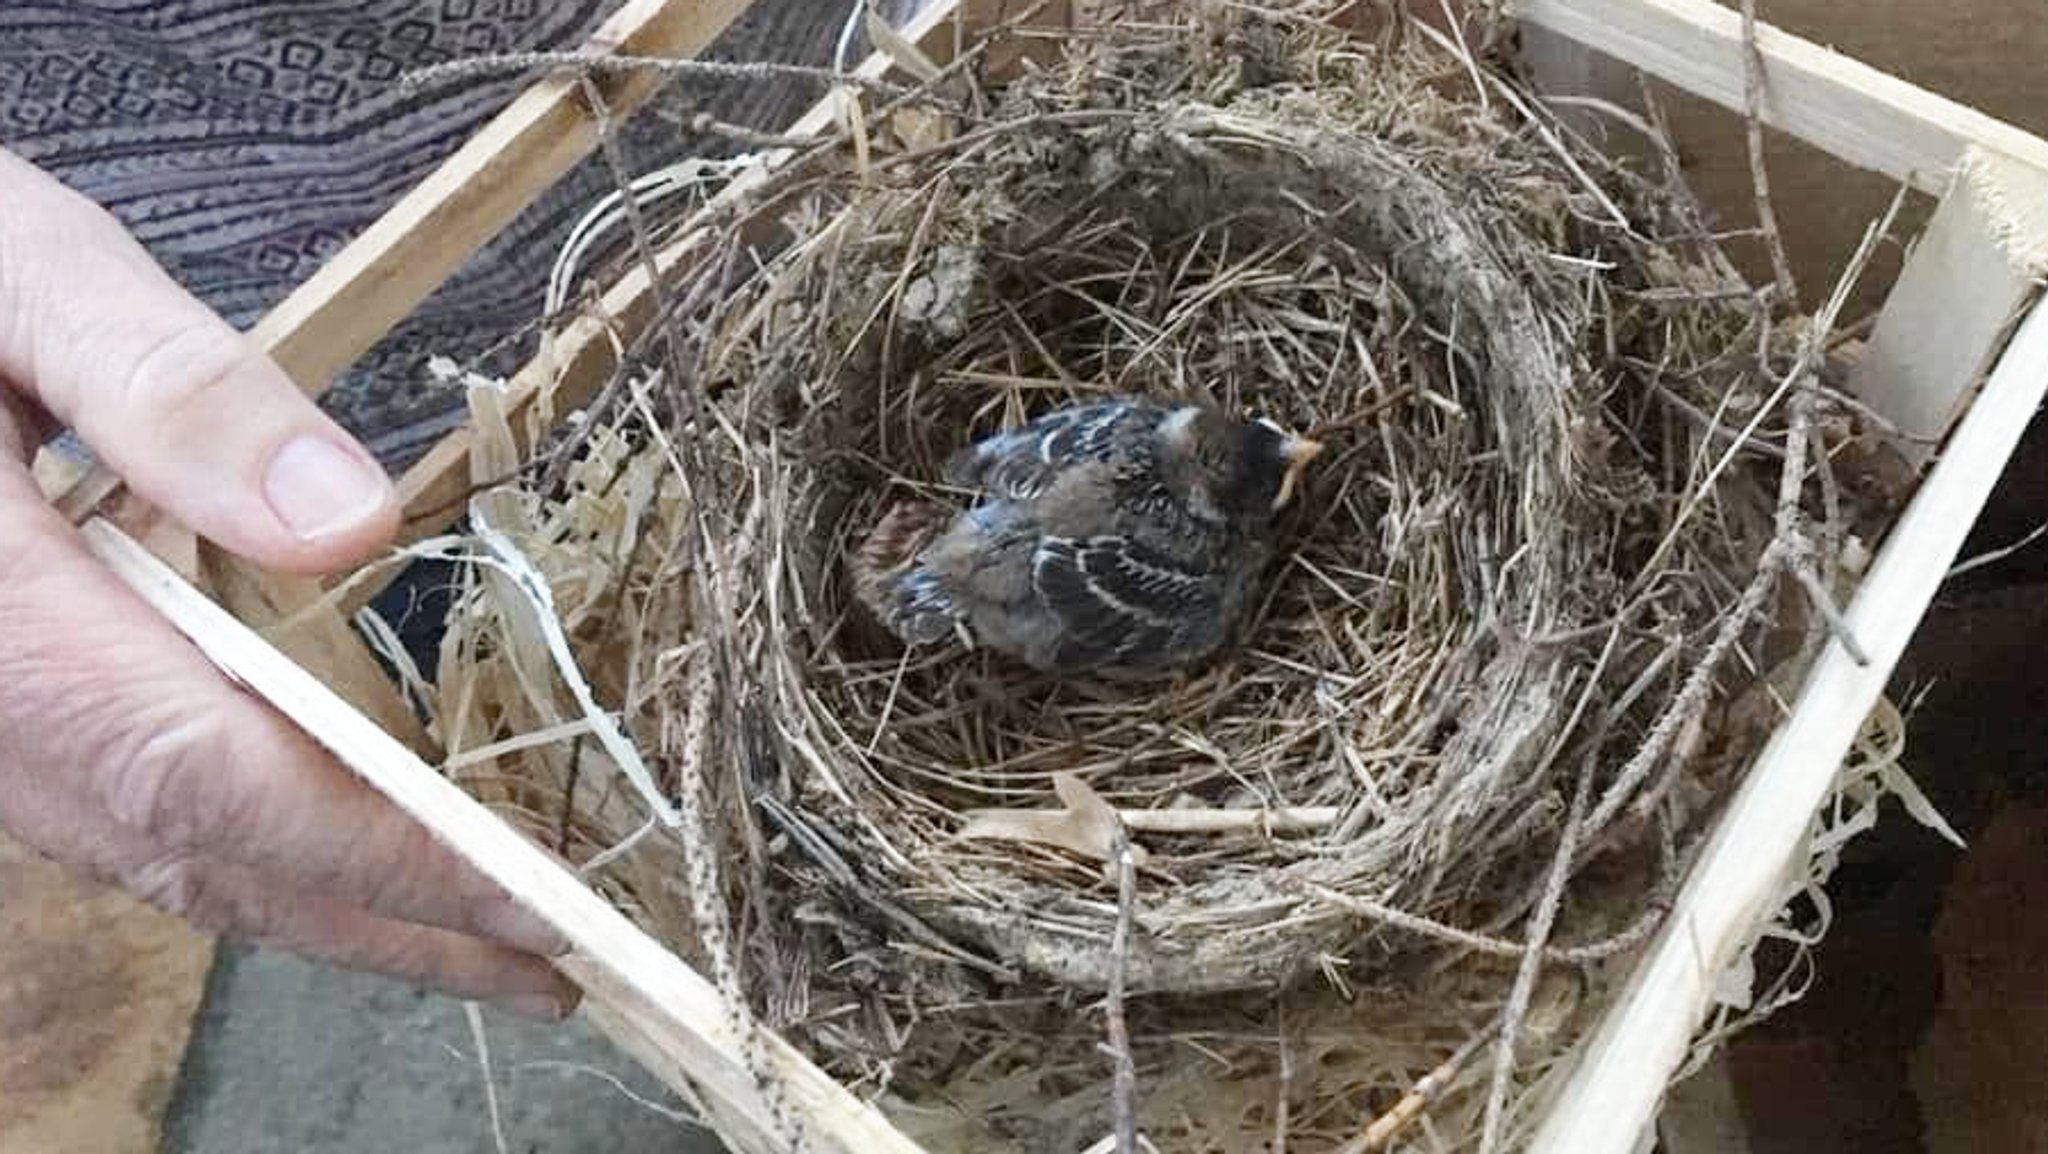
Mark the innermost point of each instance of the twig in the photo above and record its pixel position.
(1817, 592)
(1124, 1077)
(1464, 53)
(588, 64)
(1870, 416)
(1481, 943)
(705, 124)
(1993, 556)
(1284, 820)
(1540, 923)
(1283, 1087)
(1705, 421)
(643, 248)
(1402, 1114)
(1364, 415)
(1295, 819)
(1753, 107)
(475, 1017)
(508, 559)
(1789, 527)
(1692, 695)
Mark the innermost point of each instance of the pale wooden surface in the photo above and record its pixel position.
(1738, 880)
(1964, 283)
(1843, 106)
(97, 998)
(1823, 204)
(577, 361)
(393, 265)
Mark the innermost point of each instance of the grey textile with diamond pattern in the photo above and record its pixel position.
(244, 141)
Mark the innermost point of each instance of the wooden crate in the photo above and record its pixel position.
(1959, 357)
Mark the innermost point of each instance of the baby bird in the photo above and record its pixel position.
(1116, 538)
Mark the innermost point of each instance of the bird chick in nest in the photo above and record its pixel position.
(1117, 538)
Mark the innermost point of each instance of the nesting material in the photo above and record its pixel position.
(1493, 682)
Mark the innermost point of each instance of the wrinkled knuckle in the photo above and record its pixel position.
(386, 888)
(190, 370)
(162, 782)
(179, 886)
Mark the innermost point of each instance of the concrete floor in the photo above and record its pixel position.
(295, 1058)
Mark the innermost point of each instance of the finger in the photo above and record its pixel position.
(224, 898)
(99, 686)
(241, 903)
(187, 410)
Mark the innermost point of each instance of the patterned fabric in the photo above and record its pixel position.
(244, 141)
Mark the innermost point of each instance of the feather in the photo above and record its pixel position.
(906, 598)
(1021, 464)
(1120, 602)
(1116, 537)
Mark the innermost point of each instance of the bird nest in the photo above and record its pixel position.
(1462, 739)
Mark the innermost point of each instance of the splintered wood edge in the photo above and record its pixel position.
(1613, 1092)
(1859, 114)
(678, 1013)
(1974, 268)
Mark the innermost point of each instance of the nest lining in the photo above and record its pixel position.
(1397, 669)
(1483, 612)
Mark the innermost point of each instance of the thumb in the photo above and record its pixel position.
(187, 410)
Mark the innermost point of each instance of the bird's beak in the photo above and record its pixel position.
(1297, 452)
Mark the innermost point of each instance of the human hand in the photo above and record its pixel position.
(122, 751)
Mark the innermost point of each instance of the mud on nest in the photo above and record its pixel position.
(1530, 365)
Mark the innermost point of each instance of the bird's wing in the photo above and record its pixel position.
(1020, 464)
(1122, 602)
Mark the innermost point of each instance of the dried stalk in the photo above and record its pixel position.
(1549, 430)
(1402, 1114)
(1124, 1069)
(1753, 111)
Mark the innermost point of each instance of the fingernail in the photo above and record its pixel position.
(514, 925)
(539, 1007)
(318, 488)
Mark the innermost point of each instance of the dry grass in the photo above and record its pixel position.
(1455, 763)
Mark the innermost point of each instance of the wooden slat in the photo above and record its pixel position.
(396, 263)
(1738, 882)
(384, 273)
(579, 358)
(673, 1008)
(1866, 117)
(1973, 269)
